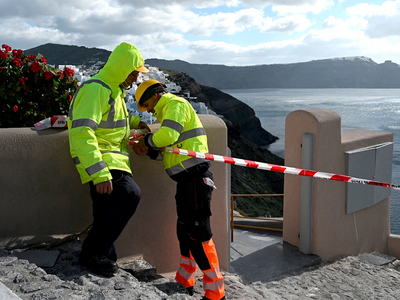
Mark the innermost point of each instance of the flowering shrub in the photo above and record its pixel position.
(30, 89)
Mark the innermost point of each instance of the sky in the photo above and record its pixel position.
(230, 32)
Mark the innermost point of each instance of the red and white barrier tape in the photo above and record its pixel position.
(52, 122)
(279, 169)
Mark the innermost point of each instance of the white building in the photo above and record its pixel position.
(155, 73)
(84, 74)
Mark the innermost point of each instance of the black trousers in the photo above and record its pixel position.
(193, 201)
(111, 213)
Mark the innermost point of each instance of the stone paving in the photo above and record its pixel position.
(352, 277)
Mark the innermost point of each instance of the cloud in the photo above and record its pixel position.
(264, 53)
(379, 27)
(382, 20)
(122, 17)
(388, 8)
(235, 32)
(158, 5)
(288, 7)
(288, 24)
(225, 23)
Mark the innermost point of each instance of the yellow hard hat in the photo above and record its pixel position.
(142, 69)
(147, 89)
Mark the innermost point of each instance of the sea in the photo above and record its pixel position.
(373, 109)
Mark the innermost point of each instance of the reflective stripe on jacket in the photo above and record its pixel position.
(98, 121)
(180, 128)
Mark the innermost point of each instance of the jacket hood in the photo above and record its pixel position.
(124, 59)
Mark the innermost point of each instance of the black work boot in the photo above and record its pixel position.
(190, 290)
(101, 265)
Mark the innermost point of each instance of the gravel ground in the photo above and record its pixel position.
(350, 277)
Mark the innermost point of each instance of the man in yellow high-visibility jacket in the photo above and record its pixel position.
(99, 127)
(182, 128)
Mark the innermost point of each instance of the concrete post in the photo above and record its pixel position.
(334, 233)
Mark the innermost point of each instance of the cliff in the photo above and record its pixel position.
(223, 104)
(347, 72)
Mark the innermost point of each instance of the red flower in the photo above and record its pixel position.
(32, 57)
(3, 54)
(43, 60)
(69, 72)
(1, 68)
(48, 75)
(17, 53)
(21, 80)
(6, 47)
(69, 98)
(61, 74)
(15, 108)
(16, 61)
(35, 67)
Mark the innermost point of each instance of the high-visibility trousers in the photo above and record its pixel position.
(213, 281)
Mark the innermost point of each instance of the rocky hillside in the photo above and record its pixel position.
(253, 181)
(223, 104)
(343, 72)
(350, 72)
(69, 55)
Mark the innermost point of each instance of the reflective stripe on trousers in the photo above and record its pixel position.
(186, 272)
(213, 281)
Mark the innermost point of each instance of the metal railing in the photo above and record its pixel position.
(263, 219)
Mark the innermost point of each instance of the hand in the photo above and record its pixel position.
(140, 147)
(104, 187)
(143, 125)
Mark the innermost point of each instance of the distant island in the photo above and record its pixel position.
(344, 72)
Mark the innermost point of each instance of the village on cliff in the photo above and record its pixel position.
(83, 73)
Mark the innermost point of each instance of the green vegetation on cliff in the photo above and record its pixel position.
(254, 181)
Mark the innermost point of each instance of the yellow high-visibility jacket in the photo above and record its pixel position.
(180, 128)
(98, 121)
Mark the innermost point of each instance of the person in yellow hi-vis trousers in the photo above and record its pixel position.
(181, 128)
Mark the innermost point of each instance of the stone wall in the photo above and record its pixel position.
(42, 198)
